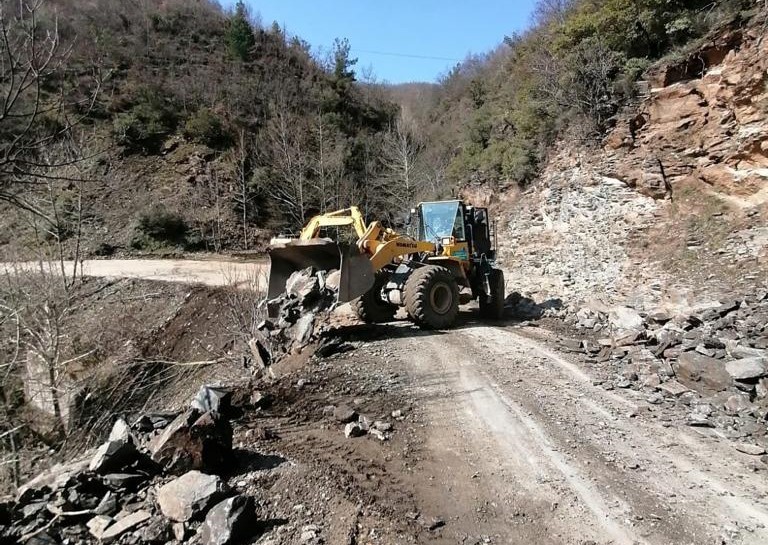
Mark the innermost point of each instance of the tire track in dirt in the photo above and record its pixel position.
(553, 439)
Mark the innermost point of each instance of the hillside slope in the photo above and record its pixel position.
(177, 125)
(673, 207)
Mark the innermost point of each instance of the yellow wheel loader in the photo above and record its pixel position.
(449, 260)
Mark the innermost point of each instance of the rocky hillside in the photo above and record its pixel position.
(672, 207)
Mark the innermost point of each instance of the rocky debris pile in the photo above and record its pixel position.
(156, 481)
(296, 317)
(714, 360)
(568, 237)
(358, 425)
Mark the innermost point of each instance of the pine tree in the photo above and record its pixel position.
(240, 37)
(342, 63)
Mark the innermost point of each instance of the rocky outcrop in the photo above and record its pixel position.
(672, 206)
(704, 121)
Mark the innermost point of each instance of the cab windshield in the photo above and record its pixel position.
(441, 219)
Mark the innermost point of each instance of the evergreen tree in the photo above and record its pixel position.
(342, 69)
(240, 36)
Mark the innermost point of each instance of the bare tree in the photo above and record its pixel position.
(36, 107)
(243, 196)
(287, 164)
(327, 165)
(400, 155)
(551, 11)
(35, 305)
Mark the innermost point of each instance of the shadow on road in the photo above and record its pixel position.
(517, 309)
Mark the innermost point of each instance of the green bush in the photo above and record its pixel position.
(146, 124)
(158, 228)
(206, 128)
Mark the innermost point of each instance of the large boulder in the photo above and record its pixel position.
(229, 521)
(188, 496)
(194, 441)
(701, 373)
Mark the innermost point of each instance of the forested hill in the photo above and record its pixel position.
(175, 124)
(495, 116)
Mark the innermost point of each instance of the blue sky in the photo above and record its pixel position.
(448, 30)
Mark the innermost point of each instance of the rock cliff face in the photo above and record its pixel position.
(672, 208)
(704, 121)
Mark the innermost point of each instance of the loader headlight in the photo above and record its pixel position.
(446, 241)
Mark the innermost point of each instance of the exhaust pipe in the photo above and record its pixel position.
(357, 274)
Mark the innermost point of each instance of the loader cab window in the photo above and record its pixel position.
(441, 219)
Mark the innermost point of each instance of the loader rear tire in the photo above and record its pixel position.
(431, 297)
(492, 308)
(370, 307)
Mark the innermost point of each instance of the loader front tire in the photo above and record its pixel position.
(492, 308)
(431, 297)
(370, 307)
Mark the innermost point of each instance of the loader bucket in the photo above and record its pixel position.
(357, 275)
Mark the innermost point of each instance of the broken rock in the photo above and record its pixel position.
(624, 318)
(113, 455)
(701, 373)
(228, 521)
(194, 441)
(303, 284)
(752, 450)
(98, 524)
(188, 496)
(344, 414)
(155, 531)
(747, 368)
(302, 331)
(354, 429)
(215, 399)
(673, 388)
(120, 432)
(124, 524)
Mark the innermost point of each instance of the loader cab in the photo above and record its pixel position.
(441, 220)
(468, 226)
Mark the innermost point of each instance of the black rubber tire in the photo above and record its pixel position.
(492, 308)
(370, 308)
(431, 296)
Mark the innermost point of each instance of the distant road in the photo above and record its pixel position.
(210, 272)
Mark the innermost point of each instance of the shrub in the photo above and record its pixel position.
(206, 128)
(158, 227)
(144, 126)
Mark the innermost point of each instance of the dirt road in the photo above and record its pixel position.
(525, 449)
(211, 273)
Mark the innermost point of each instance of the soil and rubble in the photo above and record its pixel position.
(149, 482)
(711, 361)
(174, 475)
